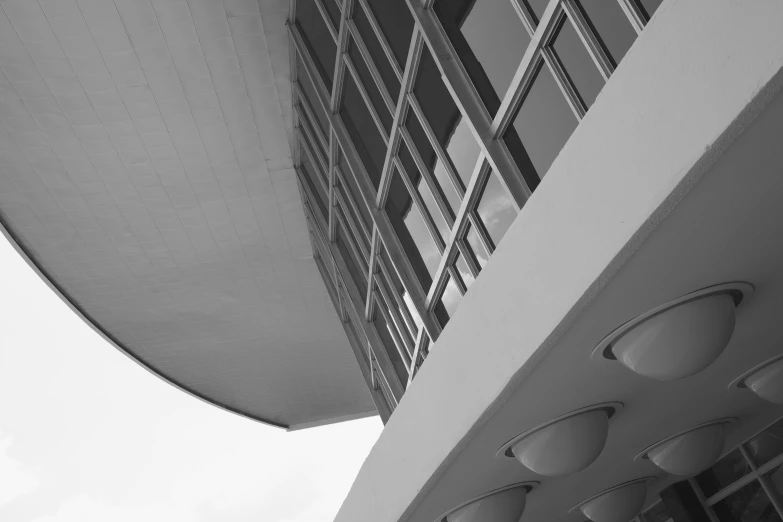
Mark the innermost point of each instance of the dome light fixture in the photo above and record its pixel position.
(680, 338)
(689, 451)
(765, 380)
(505, 504)
(620, 503)
(565, 444)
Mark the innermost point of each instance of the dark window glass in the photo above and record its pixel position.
(657, 513)
(396, 24)
(767, 445)
(448, 302)
(611, 25)
(490, 39)
(311, 98)
(749, 504)
(577, 63)
(412, 232)
(333, 9)
(369, 85)
(391, 348)
(394, 280)
(544, 123)
(305, 122)
(727, 470)
(376, 51)
(364, 133)
(310, 175)
(464, 272)
(476, 247)
(537, 7)
(450, 128)
(348, 212)
(355, 266)
(650, 6)
(318, 40)
(418, 181)
(353, 190)
(775, 479)
(495, 209)
(430, 158)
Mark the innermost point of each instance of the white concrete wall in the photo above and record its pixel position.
(697, 75)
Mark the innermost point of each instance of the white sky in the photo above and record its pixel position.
(87, 435)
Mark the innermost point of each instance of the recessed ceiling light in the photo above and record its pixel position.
(617, 504)
(765, 380)
(505, 504)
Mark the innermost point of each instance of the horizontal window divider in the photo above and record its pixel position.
(315, 154)
(304, 105)
(366, 97)
(360, 255)
(385, 310)
(567, 88)
(369, 301)
(370, 63)
(481, 231)
(635, 14)
(415, 359)
(472, 266)
(384, 271)
(316, 163)
(339, 70)
(308, 197)
(416, 197)
(589, 38)
(387, 50)
(527, 17)
(457, 278)
(352, 203)
(356, 230)
(397, 320)
(439, 279)
(310, 67)
(327, 20)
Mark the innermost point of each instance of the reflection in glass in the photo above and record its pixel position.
(385, 333)
(490, 39)
(311, 97)
(450, 128)
(396, 24)
(375, 49)
(356, 268)
(544, 123)
(423, 189)
(650, 6)
(409, 225)
(748, 504)
(495, 209)
(611, 25)
(537, 7)
(767, 445)
(364, 133)
(430, 158)
(464, 272)
(476, 247)
(577, 63)
(448, 303)
(318, 40)
(370, 86)
(727, 470)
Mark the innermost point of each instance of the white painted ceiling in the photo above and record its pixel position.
(145, 167)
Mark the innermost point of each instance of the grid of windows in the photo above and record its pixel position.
(422, 129)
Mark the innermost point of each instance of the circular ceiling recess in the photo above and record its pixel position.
(563, 445)
(765, 380)
(500, 505)
(618, 504)
(690, 451)
(679, 338)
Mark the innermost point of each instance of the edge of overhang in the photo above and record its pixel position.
(76, 309)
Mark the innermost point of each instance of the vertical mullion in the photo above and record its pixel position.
(376, 75)
(339, 70)
(381, 38)
(369, 302)
(366, 97)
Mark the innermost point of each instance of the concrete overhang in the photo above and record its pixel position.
(671, 183)
(146, 174)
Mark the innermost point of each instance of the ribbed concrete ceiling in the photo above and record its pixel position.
(145, 167)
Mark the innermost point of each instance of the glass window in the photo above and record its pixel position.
(307, 124)
(727, 470)
(611, 25)
(376, 51)
(370, 86)
(418, 181)
(384, 332)
(350, 215)
(657, 513)
(767, 445)
(315, 184)
(650, 6)
(396, 314)
(311, 98)
(537, 7)
(396, 24)
(411, 230)
(578, 64)
(333, 9)
(748, 504)
(450, 128)
(358, 272)
(490, 39)
(544, 123)
(396, 283)
(495, 209)
(775, 479)
(464, 272)
(353, 190)
(318, 40)
(430, 158)
(448, 303)
(476, 247)
(364, 133)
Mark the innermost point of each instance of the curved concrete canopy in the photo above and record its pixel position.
(145, 171)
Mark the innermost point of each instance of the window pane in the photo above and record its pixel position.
(355, 265)
(334, 12)
(650, 6)
(464, 272)
(396, 282)
(476, 247)
(391, 348)
(353, 190)
(397, 25)
(446, 121)
(538, 7)
(544, 123)
(495, 209)
(577, 63)
(321, 199)
(430, 158)
(611, 25)
(412, 232)
(370, 86)
(318, 40)
(424, 191)
(375, 49)
(363, 131)
(448, 303)
(766, 445)
(749, 504)
(490, 39)
(775, 479)
(310, 96)
(727, 470)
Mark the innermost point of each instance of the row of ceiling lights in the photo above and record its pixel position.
(673, 341)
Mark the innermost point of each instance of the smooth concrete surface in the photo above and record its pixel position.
(607, 236)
